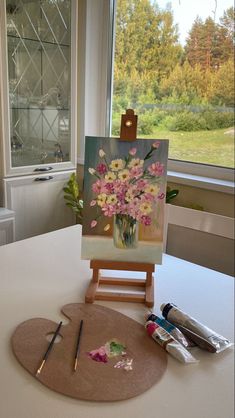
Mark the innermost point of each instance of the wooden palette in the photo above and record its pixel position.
(93, 381)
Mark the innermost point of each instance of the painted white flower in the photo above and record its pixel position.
(152, 189)
(110, 177)
(136, 162)
(124, 175)
(101, 153)
(146, 208)
(117, 165)
(91, 171)
(156, 144)
(101, 199)
(129, 196)
(111, 199)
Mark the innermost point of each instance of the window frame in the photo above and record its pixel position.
(95, 103)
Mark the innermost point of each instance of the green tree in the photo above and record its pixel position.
(211, 44)
(147, 46)
(221, 91)
(227, 33)
(205, 44)
(185, 84)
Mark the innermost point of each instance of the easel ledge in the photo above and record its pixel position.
(147, 297)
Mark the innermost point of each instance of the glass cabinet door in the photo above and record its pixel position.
(39, 68)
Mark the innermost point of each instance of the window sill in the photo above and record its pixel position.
(224, 186)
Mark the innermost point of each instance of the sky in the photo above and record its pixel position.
(185, 12)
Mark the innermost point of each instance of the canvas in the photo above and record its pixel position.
(124, 199)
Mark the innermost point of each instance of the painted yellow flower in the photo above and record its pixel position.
(146, 208)
(136, 162)
(111, 199)
(107, 227)
(124, 175)
(101, 199)
(117, 165)
(129, 196)
(110, 177)
(152, 189)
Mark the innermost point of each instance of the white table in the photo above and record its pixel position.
(41, 274)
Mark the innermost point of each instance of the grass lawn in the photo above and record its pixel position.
(210, 147)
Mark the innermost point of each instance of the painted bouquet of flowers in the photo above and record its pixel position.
(128, 190)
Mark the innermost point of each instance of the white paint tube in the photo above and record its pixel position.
(180, 318)
(170, 344)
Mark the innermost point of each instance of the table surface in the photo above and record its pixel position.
(41, 274)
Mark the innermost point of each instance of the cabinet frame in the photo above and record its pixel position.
(7, 169)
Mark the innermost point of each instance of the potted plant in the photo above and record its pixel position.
(72, 197)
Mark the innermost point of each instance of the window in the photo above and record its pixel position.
(173, 64)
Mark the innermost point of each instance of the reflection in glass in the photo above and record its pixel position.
(38, 34)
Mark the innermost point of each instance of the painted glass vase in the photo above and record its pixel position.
(125, 232)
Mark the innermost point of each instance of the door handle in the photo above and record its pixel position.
(43, 169)
(44, 178)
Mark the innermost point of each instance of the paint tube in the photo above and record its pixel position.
(175, 332)
(181, 319)
(170, 344)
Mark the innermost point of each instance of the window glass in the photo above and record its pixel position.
(173, 64)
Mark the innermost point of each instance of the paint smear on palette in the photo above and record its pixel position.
(126, 364)
(111, 349)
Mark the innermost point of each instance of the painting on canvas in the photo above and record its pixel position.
(124, 199)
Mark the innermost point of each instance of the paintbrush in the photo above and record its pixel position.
(77, 346)
(49, 348)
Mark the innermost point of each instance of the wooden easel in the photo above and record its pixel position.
(127, 133)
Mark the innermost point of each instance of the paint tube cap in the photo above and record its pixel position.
(165, 308)
(150, 316)
(150, 327)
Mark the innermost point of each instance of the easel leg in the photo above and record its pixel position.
(93, 286)
(149, 290)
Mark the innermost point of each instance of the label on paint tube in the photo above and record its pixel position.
(170, 344)
(175, 332)
(178, 318)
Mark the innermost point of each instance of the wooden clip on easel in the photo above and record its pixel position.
(127, 133)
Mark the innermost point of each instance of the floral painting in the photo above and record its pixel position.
(124, 198)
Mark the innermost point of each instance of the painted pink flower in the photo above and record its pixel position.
(141, 184)
(161, 196)
(109, 210)
(93, 224)
(133, 208)
(101, 168)
(122, 208)
(121, 196)
(136, 172)
(99, 187)
(148, 197)
(133, 151)
(156, 169)
(156, 144)
(146, 220)
(119, 186)
(93, 203)
(109, 188)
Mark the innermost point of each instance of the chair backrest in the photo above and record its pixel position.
(201, 221)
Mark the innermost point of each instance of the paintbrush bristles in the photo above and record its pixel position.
(41, 367)
(77, 346)
(75, 364)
